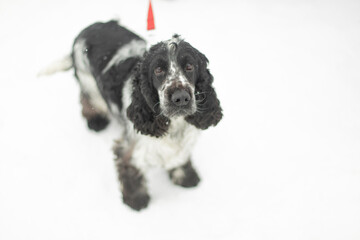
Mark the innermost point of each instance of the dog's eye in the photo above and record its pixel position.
(189, 67)
(158, 71)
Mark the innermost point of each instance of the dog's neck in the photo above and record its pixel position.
(178, 128)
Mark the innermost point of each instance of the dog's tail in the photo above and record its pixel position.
(63, 64)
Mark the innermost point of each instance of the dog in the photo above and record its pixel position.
(162, 97)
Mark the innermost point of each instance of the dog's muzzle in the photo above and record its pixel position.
(180, 101)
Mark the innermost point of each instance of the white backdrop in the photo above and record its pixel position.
(282, 164)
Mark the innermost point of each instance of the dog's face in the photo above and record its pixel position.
(173, 80)
(173, 72)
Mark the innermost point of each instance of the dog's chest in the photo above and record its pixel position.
(170, 151)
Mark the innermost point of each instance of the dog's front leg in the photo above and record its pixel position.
(132, 180)
(185, 175)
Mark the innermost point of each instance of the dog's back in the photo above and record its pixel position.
(104, 55)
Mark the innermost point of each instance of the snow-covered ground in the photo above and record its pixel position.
(283, 164)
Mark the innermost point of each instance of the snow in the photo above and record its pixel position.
(283, 164)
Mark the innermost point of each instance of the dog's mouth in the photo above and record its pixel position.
(173, 109)
(179, 112)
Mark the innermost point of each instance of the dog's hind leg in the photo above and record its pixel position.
(94, 107)
(96, 119)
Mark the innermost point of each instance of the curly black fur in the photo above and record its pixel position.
(209, 111)
(144, 109)
(144, 118)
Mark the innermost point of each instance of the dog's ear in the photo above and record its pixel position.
(144, 111)
(209, 111)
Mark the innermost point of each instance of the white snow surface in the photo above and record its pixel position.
(284, 163)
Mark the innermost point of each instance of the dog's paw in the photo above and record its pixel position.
(185, 176)
(98, 123)
(190, 180)
(137, 201)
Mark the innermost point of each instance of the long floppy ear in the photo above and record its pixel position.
(142, 110)
(209, 111)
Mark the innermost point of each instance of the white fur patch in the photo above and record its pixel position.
(171, 151)
(128, 127)
(175, 39)
(87, 81)
(178, 175)
(126, 95)
(114, 109)
(135, 48)
(175, 71)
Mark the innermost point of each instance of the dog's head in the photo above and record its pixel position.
(173, 81)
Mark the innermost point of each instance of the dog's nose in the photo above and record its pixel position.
(180, 98)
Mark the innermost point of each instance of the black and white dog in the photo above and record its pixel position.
(162, 98)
